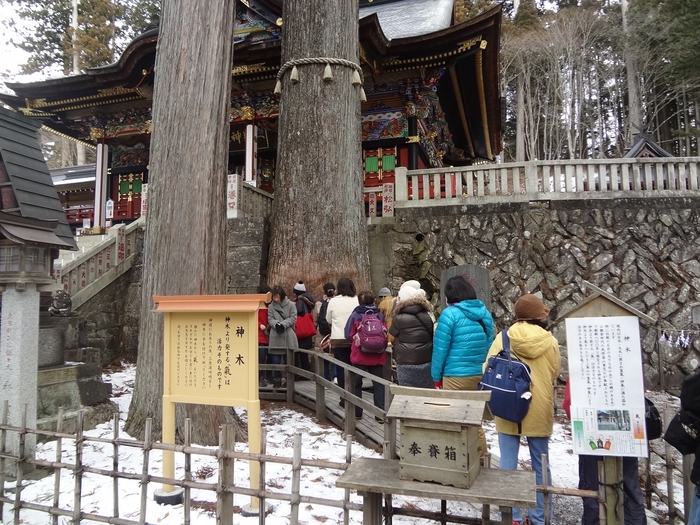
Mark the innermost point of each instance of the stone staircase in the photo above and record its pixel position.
(102, 260)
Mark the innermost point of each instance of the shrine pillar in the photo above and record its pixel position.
(101, 166)
(251, 151)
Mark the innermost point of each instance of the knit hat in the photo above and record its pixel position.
(384, 292)
(411, 284)
(530, 308)
(299, 288)
(407, 292)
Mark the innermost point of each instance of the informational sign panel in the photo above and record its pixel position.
(478, 277)
(210, 355)
(607, 386)
(109, 209)
(211, 358)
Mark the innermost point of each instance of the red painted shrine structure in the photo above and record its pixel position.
(431, 82)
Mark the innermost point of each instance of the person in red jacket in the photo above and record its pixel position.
(263, 339)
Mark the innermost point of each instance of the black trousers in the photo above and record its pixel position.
(343, 354)
(634, 500)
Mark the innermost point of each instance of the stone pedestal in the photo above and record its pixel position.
(19, 343)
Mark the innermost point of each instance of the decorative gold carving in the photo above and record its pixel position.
(247, 113)
(116, 90)
(279, 22)
(412, 139)
(483, 44)
(148, 126)
(247, 69)
(102, 93)
(145, 91)
(35, 103)
(468, 44)
(97, 134)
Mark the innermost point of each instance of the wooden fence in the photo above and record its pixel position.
(548, 180)
(225, 486)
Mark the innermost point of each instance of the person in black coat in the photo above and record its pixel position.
(412, 329)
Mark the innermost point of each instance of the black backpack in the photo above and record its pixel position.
(323, 327)
(683, 432)
(690, 392)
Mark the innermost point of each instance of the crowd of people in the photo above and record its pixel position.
(449, 352)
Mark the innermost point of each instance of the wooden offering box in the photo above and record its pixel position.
(438, 438)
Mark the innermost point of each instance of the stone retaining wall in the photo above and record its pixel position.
(109, 321)
(644, 251)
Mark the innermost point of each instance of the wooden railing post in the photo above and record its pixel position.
(320, 389)
(401, 188)
(531, 184)
(224, 500)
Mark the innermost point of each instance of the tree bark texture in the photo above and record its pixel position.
(184, 246)
(319, 230)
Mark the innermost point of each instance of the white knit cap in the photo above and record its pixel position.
(411, 284)
(299, 288)
(409, 292)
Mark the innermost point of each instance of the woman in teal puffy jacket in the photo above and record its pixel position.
(462, 340)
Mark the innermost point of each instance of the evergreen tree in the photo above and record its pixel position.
(105, 27)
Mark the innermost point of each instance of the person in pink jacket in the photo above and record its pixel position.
(369, 362)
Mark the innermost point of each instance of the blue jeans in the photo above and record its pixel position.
(509, 446)
(694, 518)
(276, 359)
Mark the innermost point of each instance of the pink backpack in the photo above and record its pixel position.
(372, 334)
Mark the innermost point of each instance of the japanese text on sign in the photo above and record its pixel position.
(607, 392)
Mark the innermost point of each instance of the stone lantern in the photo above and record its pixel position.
(26, 247)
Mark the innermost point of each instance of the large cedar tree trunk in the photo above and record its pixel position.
(184, 247)
(319, 230)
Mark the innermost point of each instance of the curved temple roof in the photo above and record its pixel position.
(411, 18)
(401, 38)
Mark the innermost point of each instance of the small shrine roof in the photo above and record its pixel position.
(410, 18)
(645, 146)
(29, 177)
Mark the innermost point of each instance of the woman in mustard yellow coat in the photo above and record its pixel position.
(533, 344)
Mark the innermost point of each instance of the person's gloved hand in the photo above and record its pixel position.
(279, 327)
(438, 385)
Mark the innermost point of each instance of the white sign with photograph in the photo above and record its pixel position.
(607, 386)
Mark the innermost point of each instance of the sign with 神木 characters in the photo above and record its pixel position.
(607, 386)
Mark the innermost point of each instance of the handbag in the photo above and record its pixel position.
(509, 381)
(325, 344)
(304, 326)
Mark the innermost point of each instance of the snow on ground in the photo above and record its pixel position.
(319, 441)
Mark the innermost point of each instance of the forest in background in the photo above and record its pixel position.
(579, 78)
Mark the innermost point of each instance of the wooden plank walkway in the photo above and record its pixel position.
(367, 430)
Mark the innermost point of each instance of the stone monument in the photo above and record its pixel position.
(478, 277)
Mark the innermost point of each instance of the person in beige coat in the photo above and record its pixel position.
(533, 344)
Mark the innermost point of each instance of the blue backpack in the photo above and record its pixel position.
(509, 381)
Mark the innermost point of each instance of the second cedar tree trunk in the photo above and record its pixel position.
(184, 246)
(319, 230)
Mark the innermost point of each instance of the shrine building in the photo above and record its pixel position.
(431, 81)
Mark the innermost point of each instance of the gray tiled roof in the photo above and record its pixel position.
(411, 18)
(28, 173)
